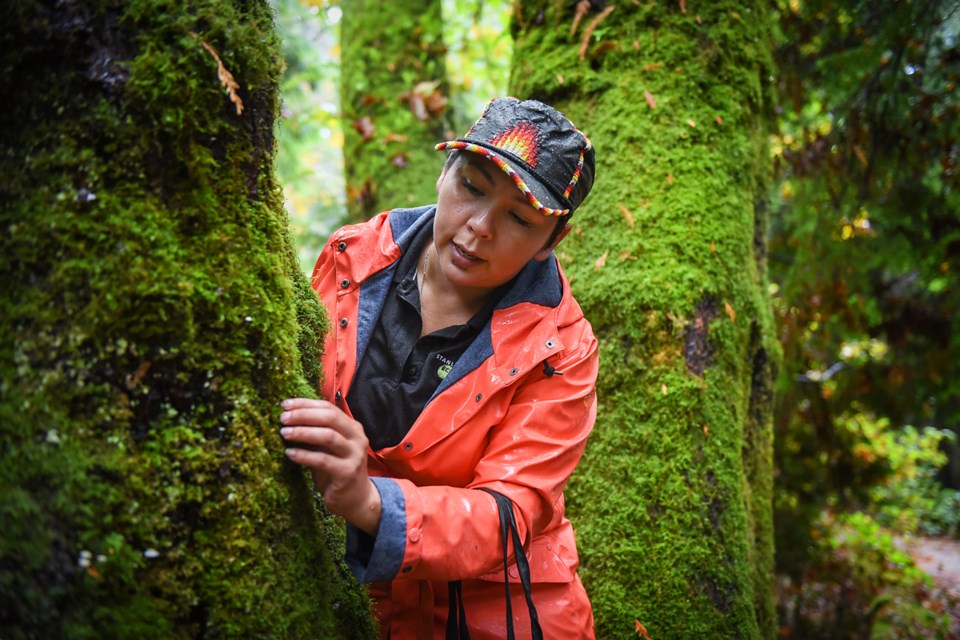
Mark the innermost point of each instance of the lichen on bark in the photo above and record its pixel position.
(153, 317)
(664, 261)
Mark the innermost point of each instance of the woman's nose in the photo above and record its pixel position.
(480, 222)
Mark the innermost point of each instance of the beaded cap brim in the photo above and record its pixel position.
(546, 156)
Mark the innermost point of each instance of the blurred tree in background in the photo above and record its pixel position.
(393, 84)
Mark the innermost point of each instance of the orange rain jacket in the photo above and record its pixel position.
(513, 415)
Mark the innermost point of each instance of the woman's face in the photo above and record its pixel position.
(485, 229)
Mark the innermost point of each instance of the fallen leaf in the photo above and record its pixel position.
(396, 137)
(226, 78)
(626, 214)
(641, 630)
(636, 45)
(699, 20)
(365, 127)
(94, 572)
(651, 102)
(588, 32)
(583, 8)
(713, 247)
(706, 430)
(559, 79)
(625, 255)
(134, 379)
(652, 66)
(602, 260)
(719, 120)
(683, 6)
(692, 122)
(663, 389)
(670, 178)
(400, 161)
(860, 155)
(730, 311)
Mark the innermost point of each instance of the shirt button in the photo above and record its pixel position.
(344, 283)
(344, 322)
(414, 535)
(341, 246)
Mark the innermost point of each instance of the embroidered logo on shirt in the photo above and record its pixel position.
(445, 366)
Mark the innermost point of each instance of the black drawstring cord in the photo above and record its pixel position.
(550, 371)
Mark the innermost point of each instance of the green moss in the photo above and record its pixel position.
(666, 259)
(155, 317)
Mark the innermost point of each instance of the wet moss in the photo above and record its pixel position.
(666, 261)
(154, 316)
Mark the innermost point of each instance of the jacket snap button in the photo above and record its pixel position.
(341, 246)
(408, 446)
(549, 344)
(343, 322)
(414, 535)
(479, 397)
(514, 371)
(344, 283)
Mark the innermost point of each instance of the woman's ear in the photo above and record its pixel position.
(544, 253)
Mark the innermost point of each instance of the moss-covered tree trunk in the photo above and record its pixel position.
(149, 329)
(393, 102)
(672, 503)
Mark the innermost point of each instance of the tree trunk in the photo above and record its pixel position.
(393, 100)
(149, 330)
(672, 502)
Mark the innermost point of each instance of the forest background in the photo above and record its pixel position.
(864, 239)
(769, 260)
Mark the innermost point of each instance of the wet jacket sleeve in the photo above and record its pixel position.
(451, 533)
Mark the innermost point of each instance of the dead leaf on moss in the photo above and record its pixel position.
(730, 311)
(582, 9)
(663, 389)
(652, 66)
(588, 32)
(641, 630)
(626, 214)
(692, 123)
(365, 127)
(683, 6)
(601, 261)
(651, 101)
(226, 78)
(670, 178)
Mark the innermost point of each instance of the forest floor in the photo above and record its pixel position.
(940, 558)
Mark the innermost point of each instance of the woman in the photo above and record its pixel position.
(460, 371)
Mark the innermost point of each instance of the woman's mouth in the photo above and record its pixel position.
(463, 258)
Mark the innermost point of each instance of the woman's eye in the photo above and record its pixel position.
(523, 222)
(469, 186)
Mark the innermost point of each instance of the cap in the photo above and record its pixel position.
(550, 160)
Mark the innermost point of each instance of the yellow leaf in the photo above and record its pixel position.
(663, 389)
(730, 311)
(692, 123)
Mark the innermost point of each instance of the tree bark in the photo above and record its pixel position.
(672, 502)
(393, 102)
(153, 317)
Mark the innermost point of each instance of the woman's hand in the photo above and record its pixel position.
(333, 446)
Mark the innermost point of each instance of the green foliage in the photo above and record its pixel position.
(864, 254)
(865, 585)
(149, 323)
(309, 137)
